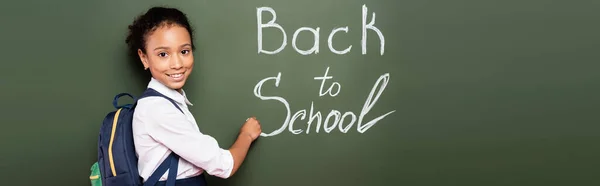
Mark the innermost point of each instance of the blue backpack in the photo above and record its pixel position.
(117, 159)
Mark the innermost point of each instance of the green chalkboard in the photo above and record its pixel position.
(465, 92)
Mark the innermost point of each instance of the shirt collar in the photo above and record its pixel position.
(173, 94)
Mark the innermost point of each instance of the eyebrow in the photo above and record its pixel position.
(165, 48)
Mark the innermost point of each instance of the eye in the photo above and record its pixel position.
(185, 51)
(162, 54)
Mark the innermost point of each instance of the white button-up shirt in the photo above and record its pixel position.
(159, 128)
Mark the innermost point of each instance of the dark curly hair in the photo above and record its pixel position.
(154, 18)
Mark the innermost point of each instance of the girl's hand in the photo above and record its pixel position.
(251, 128)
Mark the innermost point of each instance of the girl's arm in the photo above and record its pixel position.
(170, 128)
(248, 133)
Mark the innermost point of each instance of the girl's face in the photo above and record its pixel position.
(169, 55)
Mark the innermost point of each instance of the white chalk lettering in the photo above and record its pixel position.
(312, 117)
(291, 126)
(269, 24)
(337, 116)
(366, 26)
(257, 93)
(334, 119)
(369, 103)
(315, 48)
(330, 41)
(316, 34)
(334, 84)
(345, 130)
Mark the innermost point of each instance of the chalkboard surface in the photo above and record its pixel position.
(369, 92)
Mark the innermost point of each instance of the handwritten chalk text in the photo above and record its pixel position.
(334, 119)
(333, 85)
(316, 34)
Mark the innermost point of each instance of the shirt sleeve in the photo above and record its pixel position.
(168, 126)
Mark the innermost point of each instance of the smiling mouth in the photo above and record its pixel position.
(177, 75)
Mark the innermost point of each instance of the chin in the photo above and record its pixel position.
(176, 86)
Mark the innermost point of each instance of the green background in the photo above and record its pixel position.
(484, 92)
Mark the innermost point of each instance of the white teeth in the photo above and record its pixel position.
(176, 75)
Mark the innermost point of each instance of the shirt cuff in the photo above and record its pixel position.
(228, 164)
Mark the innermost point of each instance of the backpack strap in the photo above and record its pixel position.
(151, 92)
(172, 161)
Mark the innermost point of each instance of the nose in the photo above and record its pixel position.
(176, 63)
